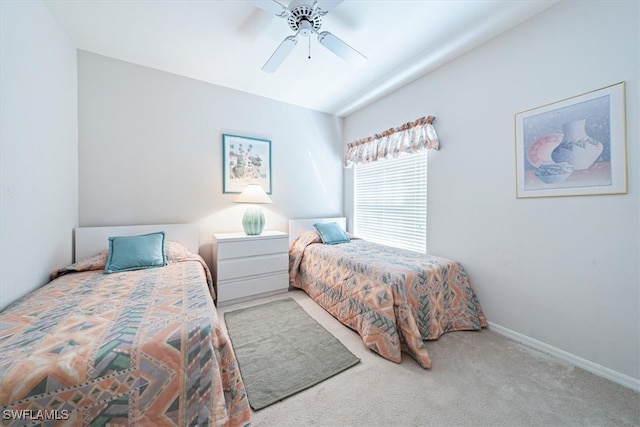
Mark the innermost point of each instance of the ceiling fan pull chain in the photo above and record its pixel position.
(309, 38)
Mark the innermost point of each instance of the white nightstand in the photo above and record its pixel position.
(247, 266)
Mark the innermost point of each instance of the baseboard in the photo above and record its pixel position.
(610, 374)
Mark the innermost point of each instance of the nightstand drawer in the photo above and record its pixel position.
(234, 290)
(239, 249)
(252, 266)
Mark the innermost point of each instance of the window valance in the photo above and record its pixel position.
(411, 137)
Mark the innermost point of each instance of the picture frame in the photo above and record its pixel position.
(573, 147)
(245, 160)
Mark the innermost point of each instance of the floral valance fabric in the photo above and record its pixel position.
(409, 138)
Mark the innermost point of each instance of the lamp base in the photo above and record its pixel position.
(253, 221)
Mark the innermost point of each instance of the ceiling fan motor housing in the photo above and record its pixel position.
(304, 17)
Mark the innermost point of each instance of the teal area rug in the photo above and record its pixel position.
(281, 350)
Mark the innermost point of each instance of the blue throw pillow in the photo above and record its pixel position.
(128, 253)
(331, 233)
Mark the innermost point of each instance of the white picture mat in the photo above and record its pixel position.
(299, 226)
(616, 144)
(91, 240)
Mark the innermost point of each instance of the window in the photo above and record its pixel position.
(391, 202)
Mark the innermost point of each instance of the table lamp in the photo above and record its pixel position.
(253, 218)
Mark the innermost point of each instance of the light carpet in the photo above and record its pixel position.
(281, 350)
(477, 379)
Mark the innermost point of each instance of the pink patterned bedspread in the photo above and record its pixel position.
(395, 299)
(138, 348)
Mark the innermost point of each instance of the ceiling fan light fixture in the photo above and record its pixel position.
(305, 28)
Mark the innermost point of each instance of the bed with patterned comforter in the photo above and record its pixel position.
(141, 348)
(395, 299)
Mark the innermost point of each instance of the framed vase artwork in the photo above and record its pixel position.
(245, 161)
(573, 147)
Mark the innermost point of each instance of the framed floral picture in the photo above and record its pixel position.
(573, 147)
(245, 161)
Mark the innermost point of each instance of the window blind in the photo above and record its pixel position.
(391, 202)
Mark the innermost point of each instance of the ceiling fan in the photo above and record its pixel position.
(305, 18)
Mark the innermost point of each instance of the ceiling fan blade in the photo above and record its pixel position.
(280, 54)
(271, 6)
(328, 5)
(340, 48)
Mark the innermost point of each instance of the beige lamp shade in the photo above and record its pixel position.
(253, 193)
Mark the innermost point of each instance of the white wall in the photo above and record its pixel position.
(564, 270)
(151, 150)
(39, 147)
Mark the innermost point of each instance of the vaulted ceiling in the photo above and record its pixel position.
(227, 42)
